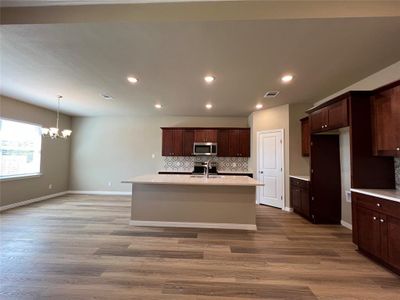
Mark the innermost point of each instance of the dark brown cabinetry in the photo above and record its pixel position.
(385, 104)
(376, 227)
(231, 142)
(234, 142)
(332, 116)
(172, 142)
(205, 135)
(300, 196)
(305, 136)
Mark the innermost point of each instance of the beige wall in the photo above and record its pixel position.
(284, 117)
(111, 149)
(269, 119)
(54, 159)
(345, 172)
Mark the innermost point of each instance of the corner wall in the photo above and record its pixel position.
(107, 150)
(54, 163)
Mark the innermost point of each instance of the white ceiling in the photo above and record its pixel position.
(80, 61)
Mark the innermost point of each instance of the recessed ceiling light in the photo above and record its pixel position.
(287, 78)
(209, 78)
(158, 106)
(259, 106)
(132, 79)
(208, 106)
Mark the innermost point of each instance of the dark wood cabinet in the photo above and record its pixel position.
(376, 227)
(333, 116)
(386, 120)
(172, 142)
(234, 142)
(231, 142)
(205, 135)
(300, 196)
(188, 140)
(305, 137)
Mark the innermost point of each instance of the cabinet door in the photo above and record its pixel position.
(178, 142)
(305, 137)
(244, 142)
(369, 231)
(295, 195)
(338, 114)
(234, 142)
(167, 142)
(188, 140)
(205, 135)
(386, 122)
(223, 143)
(305, 202)
(391, 240)
(319, 120)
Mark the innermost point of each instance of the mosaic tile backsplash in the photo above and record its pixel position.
(397, 172)
(224, 164)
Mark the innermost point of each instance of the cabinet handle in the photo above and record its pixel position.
(382, 220)
(378, 204)
(322, 126)
(398, 149)
(374, 218)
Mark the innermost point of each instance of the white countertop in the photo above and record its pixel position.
(388, 194)
(198, 180)
(306, 178)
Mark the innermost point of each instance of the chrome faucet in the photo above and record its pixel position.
(207, 168)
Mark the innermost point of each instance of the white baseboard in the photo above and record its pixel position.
(347, 225)
(111, 193)
(288, 209)
(193, 225)
(26, 202)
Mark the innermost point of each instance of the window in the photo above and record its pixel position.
(20, 146)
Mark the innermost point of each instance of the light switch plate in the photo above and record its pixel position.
(348, 196)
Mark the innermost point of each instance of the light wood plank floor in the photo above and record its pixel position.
(80, 247)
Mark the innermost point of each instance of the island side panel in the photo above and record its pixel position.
(194, 203)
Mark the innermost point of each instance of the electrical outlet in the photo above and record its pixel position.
(348, 196)
(50, 186)
(109, 183)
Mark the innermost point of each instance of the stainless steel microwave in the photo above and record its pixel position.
(205, 148)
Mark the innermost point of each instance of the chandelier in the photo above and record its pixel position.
(53, 132)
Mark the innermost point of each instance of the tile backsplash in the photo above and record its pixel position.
(397, 172)
(224, 164)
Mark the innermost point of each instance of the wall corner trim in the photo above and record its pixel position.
(26, 202)
(347, 225)
(140, 223)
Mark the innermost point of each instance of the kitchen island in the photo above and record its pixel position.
(226, 202)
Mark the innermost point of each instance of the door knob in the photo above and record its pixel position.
(261, 172)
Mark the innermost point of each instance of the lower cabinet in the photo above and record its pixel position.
(376, 228)
(300, 196)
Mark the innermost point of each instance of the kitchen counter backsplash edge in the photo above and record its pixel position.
(224, 164)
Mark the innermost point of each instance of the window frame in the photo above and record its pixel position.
(27, 175)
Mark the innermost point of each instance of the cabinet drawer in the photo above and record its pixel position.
(387, 207)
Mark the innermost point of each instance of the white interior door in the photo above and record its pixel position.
(270, 167)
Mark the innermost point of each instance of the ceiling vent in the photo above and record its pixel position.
(271, 94)
(106, 96)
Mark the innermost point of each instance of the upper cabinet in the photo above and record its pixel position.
(385, 104)
(231, 142)
(172, 142)
(331, 116)
(205, 135)
(305, 136)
